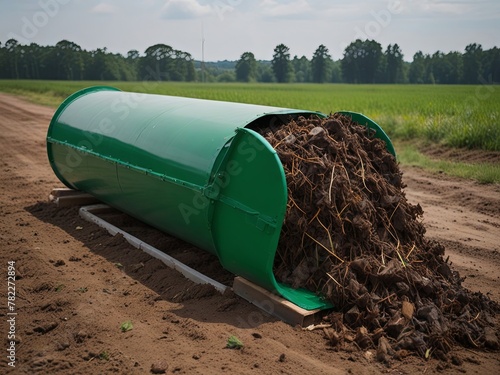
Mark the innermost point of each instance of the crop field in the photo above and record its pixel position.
(465, 116)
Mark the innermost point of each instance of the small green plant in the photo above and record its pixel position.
(104, 355)
(118, 265)
(126, 326)
(234, 343)
(59, 288)
(82, 290)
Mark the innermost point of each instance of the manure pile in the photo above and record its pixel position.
(351, 235)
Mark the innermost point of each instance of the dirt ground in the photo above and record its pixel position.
(75, 284)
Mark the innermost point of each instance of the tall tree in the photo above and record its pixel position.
(495, 65)
(281, 65)
(472, 63)
(246, 67)
(182, 68)
(33, 59)
(447, 68)
(158, 61)
(133, 54)
(429, 70)
(371, 62)
(190, 71)
(455, 64)
(361, 61)
(349, 64)
(3, 62)
(302, 69)
(179, 68)
(13, 53)
(417, 68)
(439, 67)
(132, 60)
(336, 72)
(265, 73)
(104, 66)
(320, 64)
(70, 60)
(394, 59)
(491, 65)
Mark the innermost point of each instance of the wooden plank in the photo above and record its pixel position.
(61, 192)
(275, 305)
(76, 200)
(65, 197)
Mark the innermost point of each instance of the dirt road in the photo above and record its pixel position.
(75, 285)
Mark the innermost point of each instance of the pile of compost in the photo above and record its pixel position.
(351, 235)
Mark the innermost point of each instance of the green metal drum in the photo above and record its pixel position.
(196, 169)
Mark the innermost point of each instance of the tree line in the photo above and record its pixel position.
(362, 62)
(68, 61)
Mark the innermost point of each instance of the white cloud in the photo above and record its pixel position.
(446, 8)
(184, 9)
(430, 7)
(103, 8)
(288, 9)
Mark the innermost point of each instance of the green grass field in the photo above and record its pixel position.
(461, 116)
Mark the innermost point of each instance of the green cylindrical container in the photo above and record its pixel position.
(196, 169)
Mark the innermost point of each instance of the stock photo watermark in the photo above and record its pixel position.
(221, 7)
(481, 93)
(31, 26)
(11, 313)
(257, 317)
(379, 20)
(201, 200)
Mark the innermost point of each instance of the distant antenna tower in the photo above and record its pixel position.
(202, 54)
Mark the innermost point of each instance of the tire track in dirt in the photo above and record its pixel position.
(465, 217)
(23, 143)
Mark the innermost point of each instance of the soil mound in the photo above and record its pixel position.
(351, 235)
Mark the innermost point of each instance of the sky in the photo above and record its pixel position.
(228, 28)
